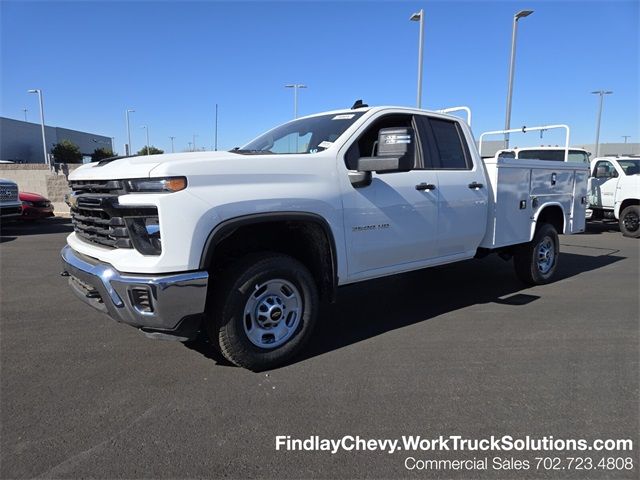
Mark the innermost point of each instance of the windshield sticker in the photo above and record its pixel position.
(344, 116)
(325, 144)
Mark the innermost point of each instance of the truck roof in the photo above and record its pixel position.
(379, 108)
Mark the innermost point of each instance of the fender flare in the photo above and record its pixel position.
(544, 206)
(227, 227)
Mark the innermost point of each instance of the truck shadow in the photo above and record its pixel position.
(372, 308)
(599, 227)
(18, 228)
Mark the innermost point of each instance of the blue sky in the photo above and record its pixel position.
(173, 61)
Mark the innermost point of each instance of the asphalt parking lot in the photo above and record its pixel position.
(462, 349)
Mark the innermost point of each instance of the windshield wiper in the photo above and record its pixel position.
(251, 152)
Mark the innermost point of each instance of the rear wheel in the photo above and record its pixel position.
(263, 310)
(630, 221)
(536, 262)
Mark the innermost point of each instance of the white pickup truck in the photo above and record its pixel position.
(10, 204)
(614, 192)
(245, 244)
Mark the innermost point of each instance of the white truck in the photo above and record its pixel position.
(245, 244)
(614, 192)
(10, 204)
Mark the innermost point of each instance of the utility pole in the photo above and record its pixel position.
(44, 140)
(626, 137)
(129, 149)
(215, 137)
(419, 17)
(295, 87)
(602, 93)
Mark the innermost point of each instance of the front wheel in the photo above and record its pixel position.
(630, 221)
(263, 310)
(536, 262)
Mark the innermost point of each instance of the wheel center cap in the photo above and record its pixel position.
(276, 313)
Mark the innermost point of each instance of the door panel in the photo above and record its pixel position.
(390, 222)
(602, 189)
(462, 219)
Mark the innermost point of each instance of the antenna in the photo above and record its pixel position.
(358, 104)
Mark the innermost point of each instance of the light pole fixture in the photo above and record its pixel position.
(146, 128)
(172, 139)
(419, 17)
(129, 146)
(295, 87)
(512, 67)
(44, 140)
(25, 113)
(602, 93)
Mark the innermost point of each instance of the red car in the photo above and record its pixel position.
(35, 206)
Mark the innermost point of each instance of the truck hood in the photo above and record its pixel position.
(140, 166)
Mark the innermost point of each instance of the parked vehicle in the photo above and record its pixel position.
(35, 207)
(614, 192)
(557, 154)
(246, 244)
(10, 206)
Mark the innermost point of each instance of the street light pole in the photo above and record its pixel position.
(215, 136)
(295, 87)
(419, 17)
(172, 139)
(512, 67)
(25, 114)
(44, 140)
(129, 146)
(147, 131)
(194, 142)
(625, 137)
(602, 93)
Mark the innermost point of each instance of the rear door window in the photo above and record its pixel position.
(444, 141)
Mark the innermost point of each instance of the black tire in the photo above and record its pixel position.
(630, 221)
(239, 287)
(530, 265)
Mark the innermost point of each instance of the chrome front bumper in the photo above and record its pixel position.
(161, 305)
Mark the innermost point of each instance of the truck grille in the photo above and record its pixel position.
(8, 192)
(96, 215)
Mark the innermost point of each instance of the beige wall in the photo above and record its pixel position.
(36, 178)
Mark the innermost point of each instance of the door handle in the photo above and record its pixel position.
(425, 186)
(475, 185)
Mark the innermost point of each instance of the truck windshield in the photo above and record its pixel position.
(307, 135)
(630, 167)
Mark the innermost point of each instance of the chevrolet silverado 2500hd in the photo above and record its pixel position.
(245, 244)
(614, 192)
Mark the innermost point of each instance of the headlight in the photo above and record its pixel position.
(145, 234)
(27, 204)
(157, 185)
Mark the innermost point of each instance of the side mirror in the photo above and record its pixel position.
(396, 152)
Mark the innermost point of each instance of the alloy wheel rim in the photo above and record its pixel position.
(272, 313)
